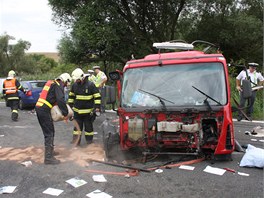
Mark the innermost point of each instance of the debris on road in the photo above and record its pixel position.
(76, 182)
(254, 157)
(122, 166)
(256, 132)
(128, 173)
(243, 174)
(186, 167)
(27, 163)
(7, 189)
(230, 170)
(254, 140)
(98, 194)
(158, 171)
(213, 170)
(53, 191)
(2, 135)
(99, 178)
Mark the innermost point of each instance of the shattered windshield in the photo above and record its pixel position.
(172, 85)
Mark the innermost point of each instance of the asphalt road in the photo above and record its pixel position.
(23, 140)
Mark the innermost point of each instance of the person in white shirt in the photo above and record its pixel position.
(256, 79)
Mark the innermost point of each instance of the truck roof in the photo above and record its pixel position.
(175, 57)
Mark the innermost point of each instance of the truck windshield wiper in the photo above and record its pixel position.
(160, 99)
(207, 96)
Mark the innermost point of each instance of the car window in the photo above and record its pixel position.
(25, 85)
(36, 85)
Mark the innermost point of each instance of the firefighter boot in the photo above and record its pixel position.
(49, 158)
(76, 139)
(89, 139)
(14, 116)
(54, 152)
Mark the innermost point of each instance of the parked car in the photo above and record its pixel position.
(33, 89)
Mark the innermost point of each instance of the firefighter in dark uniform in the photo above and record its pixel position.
(10, 92)
(52, 94)
(85, 100)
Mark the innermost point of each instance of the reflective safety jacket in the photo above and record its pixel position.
(98, 79)
(52, 94)
(10, 89)
(84, 97)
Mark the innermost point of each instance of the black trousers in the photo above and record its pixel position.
(46, 124)
(84, 121)
(251, 102)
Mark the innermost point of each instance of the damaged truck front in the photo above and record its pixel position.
(176, 101)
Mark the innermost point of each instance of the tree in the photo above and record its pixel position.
(11, 56)
(108, 30)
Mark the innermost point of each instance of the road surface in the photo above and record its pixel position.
(23, 141)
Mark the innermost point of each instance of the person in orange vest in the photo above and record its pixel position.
(52, 94)
(10, 92)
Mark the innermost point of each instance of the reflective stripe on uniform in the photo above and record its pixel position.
(46, 88)
(71, 94)
(13, 98)
(97, 101)
(96, 95)
(82, 111)
(70, 100)
(42, 101)
(76, 132)
(89, 133)
(82, 97)
(14, 111)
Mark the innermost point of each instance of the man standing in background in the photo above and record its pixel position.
(255, 78)
(99, 81)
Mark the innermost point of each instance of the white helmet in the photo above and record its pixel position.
(77, 74)
(65, 77)
(11, 74)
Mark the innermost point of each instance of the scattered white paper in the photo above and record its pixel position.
(159, 171)
(2, 135)
(243, 174)
(98, 194)
(185, 167)
(76, 182)
(261, 140)
(99, 178)
(7, 189)
(254, 140)
(53, 191)
(27, 163)
(213, 170)
(95, 133)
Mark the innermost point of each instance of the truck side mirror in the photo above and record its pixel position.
(110, 93)
(115, 75)
(247, 89)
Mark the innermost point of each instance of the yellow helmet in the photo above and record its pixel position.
(65, 77)
(11, 74)
(77, 74)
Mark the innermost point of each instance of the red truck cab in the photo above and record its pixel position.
(175, 100)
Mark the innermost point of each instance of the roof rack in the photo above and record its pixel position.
(182, 45)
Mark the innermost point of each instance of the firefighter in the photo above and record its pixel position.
(10, 92)
(99, 81)
(52, 94)
(85, 100)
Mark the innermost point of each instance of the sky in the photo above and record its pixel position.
(30, 20)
